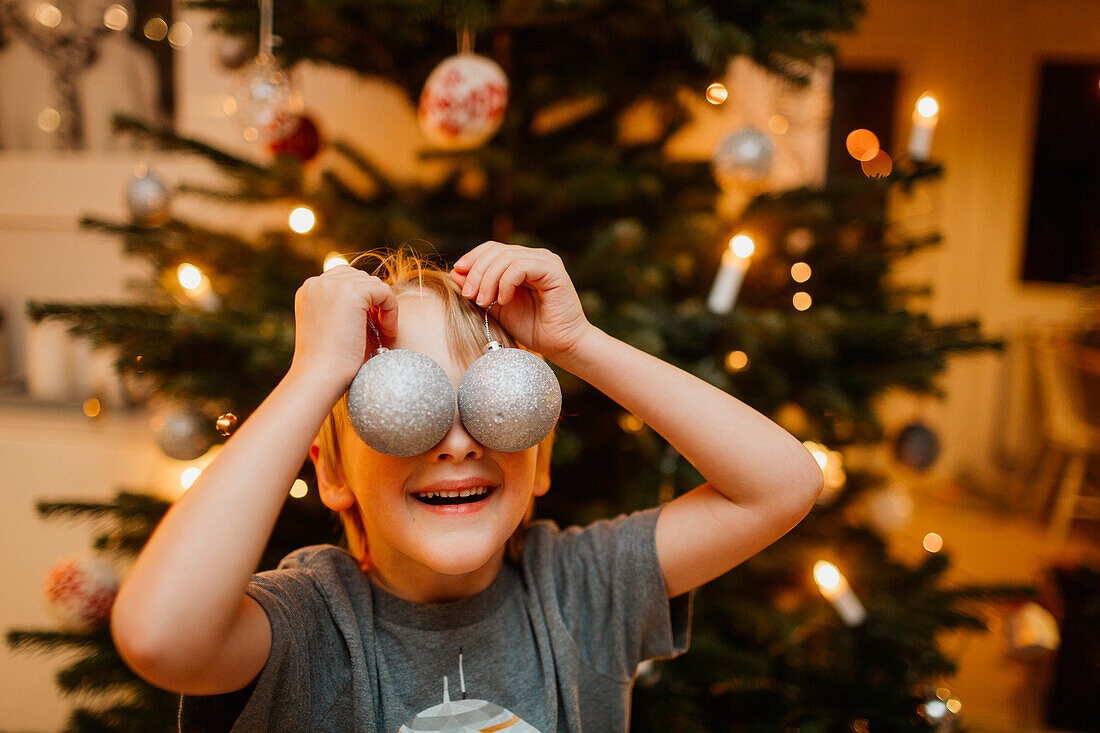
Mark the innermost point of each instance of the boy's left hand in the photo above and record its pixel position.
(538, 304)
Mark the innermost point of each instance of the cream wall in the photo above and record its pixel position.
(980, 59)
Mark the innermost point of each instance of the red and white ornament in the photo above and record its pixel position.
(463, 102)
(80, 591)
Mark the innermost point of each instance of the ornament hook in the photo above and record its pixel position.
(493, 344)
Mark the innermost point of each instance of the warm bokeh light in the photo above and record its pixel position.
(302, 219)
(802, 301)
(933, 542)
(155, 28)
(826, 576)
(935, 709)
(736, 361)
(299, 489)
(778, 124)
(229, 105)
(92, 407)
(954, 705)
(189, 276)
(179, 35)
(116, 17)
(631, 423)
(334, 259)
(943, 693)
(927, 106)
(862, 144)
(49, 119)
(742, 245)
(716, 93)
(48, 15)
(187, 478)
(250, 134)
(879, 166)
(800, 272)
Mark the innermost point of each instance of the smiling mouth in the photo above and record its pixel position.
(451, 498)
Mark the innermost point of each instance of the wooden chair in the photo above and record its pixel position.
(1071, 439)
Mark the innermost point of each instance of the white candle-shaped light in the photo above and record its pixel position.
(836, 590)
(731, 273)
(198, 288)
(926, 113)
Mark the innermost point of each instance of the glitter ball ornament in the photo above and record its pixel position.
(303, 142)
(509, 399)
(401, 402)
(182, 432)
(463, 102)
(266, 100)
(79, 592)
(745, 154)
(226, 423)
(148, 198)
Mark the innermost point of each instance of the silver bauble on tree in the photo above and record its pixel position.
(268, 105)
(183, 432)
(509, 399)
(743, 155)
(148, 198)
(401, 402)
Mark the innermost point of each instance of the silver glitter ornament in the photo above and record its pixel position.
(183, 432)
(148, 198)
(401, 402)
(745, 154)
(509, 399)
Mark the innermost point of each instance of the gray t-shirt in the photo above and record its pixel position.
(551, 645)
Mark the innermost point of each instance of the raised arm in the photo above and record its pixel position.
(760, 480)
(182, 619)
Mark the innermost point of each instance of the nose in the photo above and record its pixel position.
(458, 443)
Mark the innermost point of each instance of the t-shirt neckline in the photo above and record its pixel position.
(452, 615)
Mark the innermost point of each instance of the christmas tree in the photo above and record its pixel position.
(818, 331)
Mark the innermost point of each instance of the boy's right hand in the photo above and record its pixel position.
(330, 322)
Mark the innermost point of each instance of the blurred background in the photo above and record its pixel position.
(876, 222)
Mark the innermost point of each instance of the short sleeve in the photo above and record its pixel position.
(292, 687)
(612, 594)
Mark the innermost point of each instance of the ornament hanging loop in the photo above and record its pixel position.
(465, 40)
(377, 335)
(266, 23)
(493, 344)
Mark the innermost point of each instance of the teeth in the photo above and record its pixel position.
(476, 491)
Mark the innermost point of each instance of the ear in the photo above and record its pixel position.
(542, 465)
(334, 491)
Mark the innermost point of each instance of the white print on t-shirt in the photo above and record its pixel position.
(465, 716)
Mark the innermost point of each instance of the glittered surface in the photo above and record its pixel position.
(401, 403)
(509, 400)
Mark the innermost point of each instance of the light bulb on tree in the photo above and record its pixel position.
(302, 219)
(834, 586)
(731, 273)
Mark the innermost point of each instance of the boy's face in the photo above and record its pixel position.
(409, 539)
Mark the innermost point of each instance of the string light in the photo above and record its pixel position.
(229, 105)
(189, 276)
(155, 28)
(879, 166)
(92, 407)
(933, 542)
(926, 113)
(802, 301)
(631, 423)
(731, 273)
(334, 259)
(179, 35)
(299, 489)
(250, 134)
(927, 106)
(778, 124)
(187, 478)
(116, 17)
(48, 15)
(717, 93)
(736, 361)
(800, 272)
(831, 463)
(302, 219)
(862, 144)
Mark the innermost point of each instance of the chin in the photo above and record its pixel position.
(461, 555)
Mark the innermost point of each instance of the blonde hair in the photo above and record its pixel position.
(407, 271)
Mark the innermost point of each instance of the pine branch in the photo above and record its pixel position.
(100, 671)
(125, 506)
(52, 642)
(386, 189)
(168, 138)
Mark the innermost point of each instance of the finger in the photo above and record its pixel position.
(490, 279)
(472, 286)
(512, 277)
(466, 261)
(382, 299)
